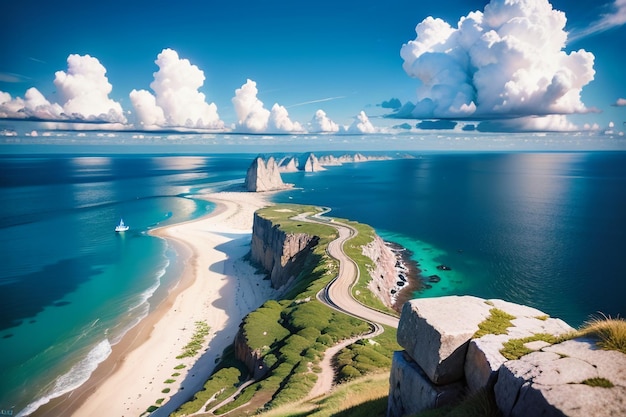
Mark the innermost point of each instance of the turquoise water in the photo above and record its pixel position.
(71, 286)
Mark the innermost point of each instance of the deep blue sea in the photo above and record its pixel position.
(544, 229)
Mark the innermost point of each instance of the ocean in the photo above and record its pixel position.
(544, 229)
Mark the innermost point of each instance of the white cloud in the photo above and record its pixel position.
(615, 18)
(621, 102)
(361, 124)
(550, 123)
(322, 123)
(253, 117)
(279, 120)
(505, 61)
(33, 105)
(177, 101)
(85, 90)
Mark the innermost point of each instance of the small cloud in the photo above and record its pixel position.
(615, 17)
(253, 117)
(177, 101)
(621, 102)
(321, 123)
(9, 77)
(393, 103)
(361, 124)
(437, 124)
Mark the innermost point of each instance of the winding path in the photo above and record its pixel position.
(338, 295)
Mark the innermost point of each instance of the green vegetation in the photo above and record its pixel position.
(497, 323)
(515, 349)
(169, 381)
(610, 332)
(181, 366)
(292, 334)
(543, 318)
(598, 382)
(365, 397)
(191, 349)
(367, 356)
(152, 409)
(354, 249)
(225, 380)
(175, 374)
(166, 390)
(159, 401)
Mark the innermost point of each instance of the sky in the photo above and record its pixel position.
(339, 67)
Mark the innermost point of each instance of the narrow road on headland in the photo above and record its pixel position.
(338, 295)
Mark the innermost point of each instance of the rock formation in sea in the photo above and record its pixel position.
(264, 175)
(288, 164)
(311, 164)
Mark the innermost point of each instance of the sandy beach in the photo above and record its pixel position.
(217, 287)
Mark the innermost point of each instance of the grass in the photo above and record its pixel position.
(181, 366)
(609, 332)
(166, 390)
(193, 347)
(169, 381)
(598, 382)
(515, 349)
(497, 323)
(365, 397)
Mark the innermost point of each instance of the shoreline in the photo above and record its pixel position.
(212, 249)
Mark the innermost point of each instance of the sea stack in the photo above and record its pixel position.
(311, 164)
(264, 176)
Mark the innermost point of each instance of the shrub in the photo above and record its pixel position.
(610, 332)
(497, 323)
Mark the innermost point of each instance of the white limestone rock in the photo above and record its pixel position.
(550, 382)
(410, 390)
(264, 176)
(483, 354)
(436, 333)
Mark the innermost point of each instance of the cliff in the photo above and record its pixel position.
(264, 176)
(384, 274)
(281, 254)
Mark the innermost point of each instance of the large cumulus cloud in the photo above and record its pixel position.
(253, 117)
(176, 101)
(321, 123)
(506, 61)
(84, 92)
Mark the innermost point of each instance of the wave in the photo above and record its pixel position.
(74, 378)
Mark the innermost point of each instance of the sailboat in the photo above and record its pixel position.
(121, 227)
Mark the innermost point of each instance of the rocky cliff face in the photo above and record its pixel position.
(264, 176)
(250, 357)
(312, 164)
(384, 282)
(281, 254)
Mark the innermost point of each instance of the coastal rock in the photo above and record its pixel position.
(484, 359)
(311, 164)
(264, 176)
(436, 333)
(550, 382)
(411, 390)
(281, 254)
(383, 273)
(288, 164)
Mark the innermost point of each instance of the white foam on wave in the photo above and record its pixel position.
(74, 378)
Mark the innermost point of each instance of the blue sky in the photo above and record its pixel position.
(339, 57)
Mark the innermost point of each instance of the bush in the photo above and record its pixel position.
(611, 333)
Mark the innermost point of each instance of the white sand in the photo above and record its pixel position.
(223, 289)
